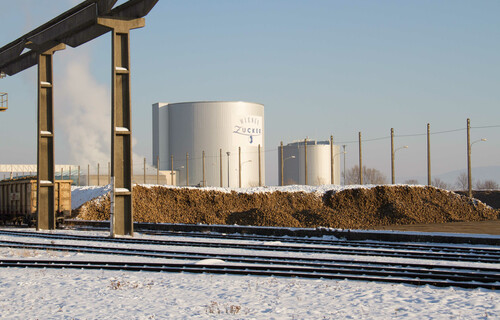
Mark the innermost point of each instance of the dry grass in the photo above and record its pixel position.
(217, 308)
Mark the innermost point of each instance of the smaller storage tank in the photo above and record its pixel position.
(310, 163)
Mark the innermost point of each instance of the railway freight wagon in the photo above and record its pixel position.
(18, 200)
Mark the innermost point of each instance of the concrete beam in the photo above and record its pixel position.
(80, 20)
(51, 34)
(133, 9)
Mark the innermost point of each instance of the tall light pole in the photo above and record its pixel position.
(469, 150)
(343, 152)
(428, 154)
(360, 162)
(392, 161)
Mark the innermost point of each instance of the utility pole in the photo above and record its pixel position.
(331, 159)
(282, 162)
(360, 161)
(469, 170)
(305, 160)
(429, 154)
(393, 178)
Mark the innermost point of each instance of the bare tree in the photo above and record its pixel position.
(438, 183)
(411, 181)
(487, 185)
(370, 176)
(462, 181)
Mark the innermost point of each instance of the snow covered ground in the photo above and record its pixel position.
(86, 294)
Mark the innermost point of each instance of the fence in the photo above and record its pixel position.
(237, 168)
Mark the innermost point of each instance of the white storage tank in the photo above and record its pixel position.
(186, 130)
(319, 163)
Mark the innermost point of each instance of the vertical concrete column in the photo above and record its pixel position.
(45, 146)
(121, 123)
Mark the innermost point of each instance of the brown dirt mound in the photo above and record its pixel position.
(352, 208)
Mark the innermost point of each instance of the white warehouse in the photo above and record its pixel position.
(204, 140)
(310, 163)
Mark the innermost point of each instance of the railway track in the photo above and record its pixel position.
(415, 277)
(266, 260)
(408, 251)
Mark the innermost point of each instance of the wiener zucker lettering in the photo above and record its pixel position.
(248, 126)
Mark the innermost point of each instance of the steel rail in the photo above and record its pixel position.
(280, 271)
(319, 241)
(413, 254)
(244, 258)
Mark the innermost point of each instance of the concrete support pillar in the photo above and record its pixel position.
(121, 122)
(45, 146)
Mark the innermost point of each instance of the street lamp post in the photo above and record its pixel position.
(469, 151)
(332, 168)
(392, 161)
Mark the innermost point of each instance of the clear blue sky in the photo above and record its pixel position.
(319, 67)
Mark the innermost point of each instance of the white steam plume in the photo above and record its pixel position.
(84, 110)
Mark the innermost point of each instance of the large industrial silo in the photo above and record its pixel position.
(191, 128)
(319, 156)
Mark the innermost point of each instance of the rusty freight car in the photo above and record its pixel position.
(18, 200)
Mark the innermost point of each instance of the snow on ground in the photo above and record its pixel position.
(70, 294)
(92, 294)
(80, 195)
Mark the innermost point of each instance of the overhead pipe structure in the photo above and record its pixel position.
(84, 22)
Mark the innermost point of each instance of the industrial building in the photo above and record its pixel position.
(213, 143)
(309, 163)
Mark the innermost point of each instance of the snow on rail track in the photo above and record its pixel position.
(439, 265)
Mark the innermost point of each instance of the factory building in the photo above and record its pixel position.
(310, 163)
(212, 143)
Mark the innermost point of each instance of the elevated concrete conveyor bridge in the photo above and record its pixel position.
(84, 22)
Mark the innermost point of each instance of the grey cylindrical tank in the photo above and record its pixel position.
(319, 163)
